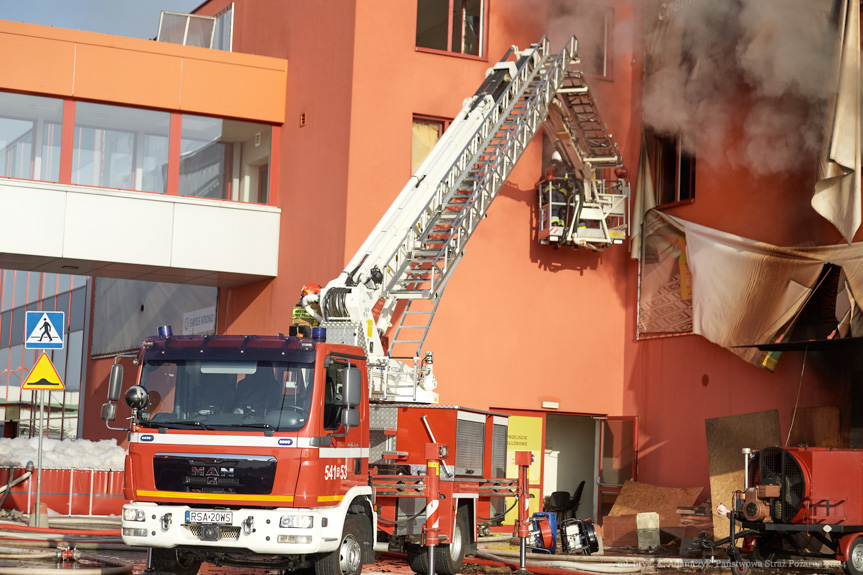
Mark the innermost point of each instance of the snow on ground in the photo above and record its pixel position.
(62, 454)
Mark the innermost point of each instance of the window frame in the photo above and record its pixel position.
(442, 125)
(682, 180)
(607, 57)
(482, 39)
(68, 145)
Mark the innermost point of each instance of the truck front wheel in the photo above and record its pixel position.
(448, 559)
(854, 564)
(176, 561)
(348, 558)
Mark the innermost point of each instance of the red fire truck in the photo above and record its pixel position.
(313, 449)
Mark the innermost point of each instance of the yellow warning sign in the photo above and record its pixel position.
(44, 376)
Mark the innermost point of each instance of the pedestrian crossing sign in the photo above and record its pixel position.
(44, 376)
(45, 330)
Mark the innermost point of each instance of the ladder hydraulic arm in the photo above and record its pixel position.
(413, 250)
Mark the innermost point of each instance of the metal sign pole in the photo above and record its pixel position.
(39, 457)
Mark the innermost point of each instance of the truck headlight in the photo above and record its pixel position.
(132, 514)
(137, 532)
(297, 521)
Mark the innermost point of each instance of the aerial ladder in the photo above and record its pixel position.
(403, 266)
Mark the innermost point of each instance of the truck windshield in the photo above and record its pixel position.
(220, 394)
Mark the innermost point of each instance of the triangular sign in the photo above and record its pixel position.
(44, 376)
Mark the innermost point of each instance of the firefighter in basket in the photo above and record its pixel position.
(567, 195)
(307, 312)
(555, 187)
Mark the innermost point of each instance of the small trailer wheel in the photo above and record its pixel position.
(738, 565)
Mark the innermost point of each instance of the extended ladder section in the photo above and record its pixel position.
(412, 252)
(588, 211)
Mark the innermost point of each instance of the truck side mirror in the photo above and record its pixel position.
(351, 417)
(115, 382)
(109, 411)
(351, 387)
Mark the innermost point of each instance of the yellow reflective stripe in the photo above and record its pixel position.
(330, 498)
(215, 496)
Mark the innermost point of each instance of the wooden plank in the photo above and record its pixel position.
(636, 497)
(726, 438)
(619, 531)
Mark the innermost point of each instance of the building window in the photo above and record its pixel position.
(594, 29)
(30, 137)
(224, 32)
(673, 166)
(186, 29)
(119, 147)
(425, 133)
(456, 26)
(221, 159)
(264, 184)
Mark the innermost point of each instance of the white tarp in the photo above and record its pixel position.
(743, 292)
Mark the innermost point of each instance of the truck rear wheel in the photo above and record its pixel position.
(176, 561)
(448, 558)
(348, 558)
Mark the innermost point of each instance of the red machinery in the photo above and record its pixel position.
(800, 502)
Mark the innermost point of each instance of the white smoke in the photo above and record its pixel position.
(745, 80)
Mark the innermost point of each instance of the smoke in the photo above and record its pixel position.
(745, 82)
(595, 25)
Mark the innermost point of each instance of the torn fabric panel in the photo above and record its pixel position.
(837, 191)
(744, 291)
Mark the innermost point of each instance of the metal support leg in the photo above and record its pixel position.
(523, 459)
(149, 570)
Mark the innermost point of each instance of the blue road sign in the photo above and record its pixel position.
(45, 330)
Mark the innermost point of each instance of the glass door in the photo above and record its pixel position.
(617, 459)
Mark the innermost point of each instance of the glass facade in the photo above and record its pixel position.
(128, 148)
(22, 291)
(119, 147)
(30, 137)
(223, 159)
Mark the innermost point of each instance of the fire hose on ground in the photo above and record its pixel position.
(557, 563)
(62, 537)
(115, 566)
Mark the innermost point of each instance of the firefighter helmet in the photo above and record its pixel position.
(309, 289)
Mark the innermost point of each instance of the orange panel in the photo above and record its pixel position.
(112, 69)
(128, 76)
(39, 64)
(256, 93)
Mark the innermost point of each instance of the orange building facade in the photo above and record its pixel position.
(548, 335)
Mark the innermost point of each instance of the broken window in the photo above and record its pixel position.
(451, 26)
(672, 160)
